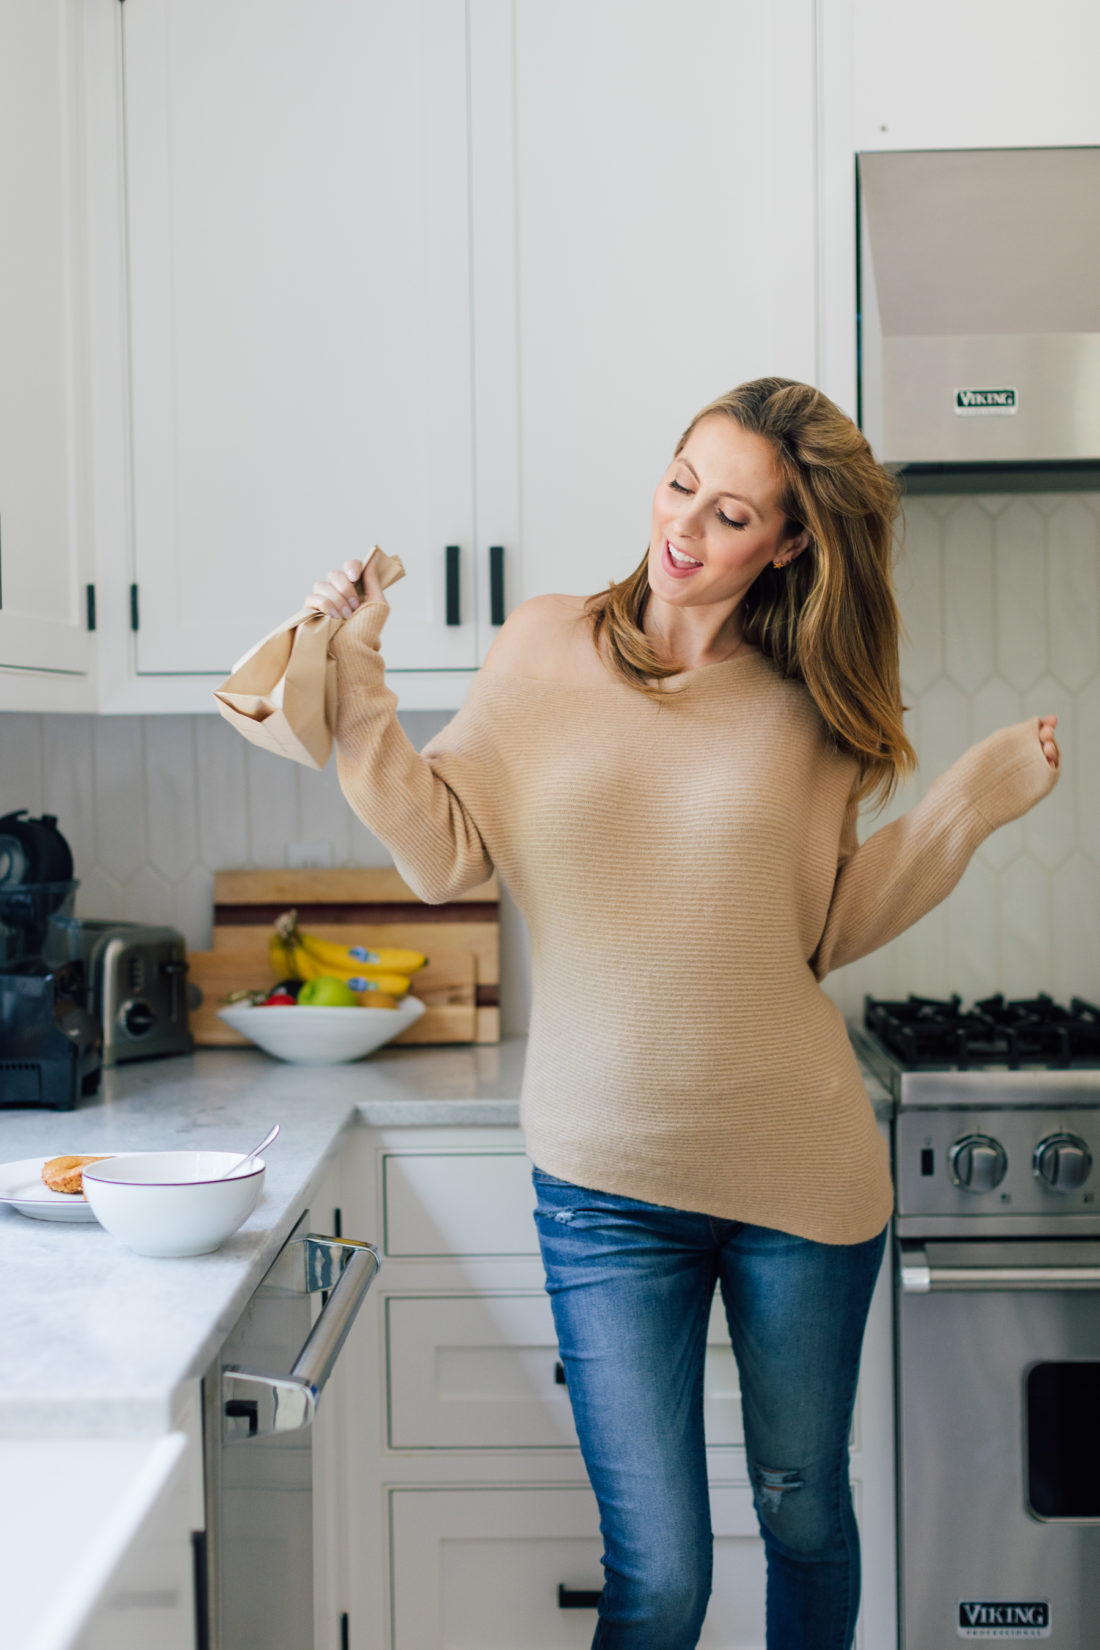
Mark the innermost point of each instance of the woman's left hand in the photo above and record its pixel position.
(1046, 739)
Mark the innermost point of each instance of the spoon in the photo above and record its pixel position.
(255, 1152)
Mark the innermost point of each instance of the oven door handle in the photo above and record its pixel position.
(919, 1278)
(253, 1406)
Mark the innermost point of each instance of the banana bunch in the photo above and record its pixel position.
(301, 956)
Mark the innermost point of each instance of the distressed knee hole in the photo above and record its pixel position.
(774, 1484)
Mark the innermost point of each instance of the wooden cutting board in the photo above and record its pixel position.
(461, 939)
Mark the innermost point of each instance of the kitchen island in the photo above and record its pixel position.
(100, 1344)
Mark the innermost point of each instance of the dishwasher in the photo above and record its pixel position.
(254, 1568)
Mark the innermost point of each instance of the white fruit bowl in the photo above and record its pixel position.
(172, 1203)
(308, 1036)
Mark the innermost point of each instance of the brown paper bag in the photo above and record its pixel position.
(282, 694)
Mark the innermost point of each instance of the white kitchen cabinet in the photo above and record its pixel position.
(503, 1568)
(992, 74)
(299, 316)
(95, 1542)
(465, 1499)
(643, 211)
(456, 1203)
(467, 1370)
(46, 649)
(483, 1370)
(443, 274)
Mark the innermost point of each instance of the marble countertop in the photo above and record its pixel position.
(98, 1341)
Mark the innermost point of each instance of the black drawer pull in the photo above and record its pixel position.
(244, 1409)
(570, 1599)
(559, 1373)
(496, 584)
(454, 593)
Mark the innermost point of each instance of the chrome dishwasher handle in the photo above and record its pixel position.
(919, 1278)
(254, 1406)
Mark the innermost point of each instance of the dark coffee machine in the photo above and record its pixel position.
(50, 1042)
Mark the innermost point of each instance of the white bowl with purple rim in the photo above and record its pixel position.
(173, 1203)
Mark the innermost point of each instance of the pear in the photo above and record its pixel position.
(327, 992)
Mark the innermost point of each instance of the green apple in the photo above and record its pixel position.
(327, 992)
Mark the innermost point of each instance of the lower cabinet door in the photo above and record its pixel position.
(482, 1569)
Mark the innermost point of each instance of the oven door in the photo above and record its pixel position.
(999, 1442)
(258, 1403)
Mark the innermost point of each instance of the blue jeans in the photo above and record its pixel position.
(631, 1286)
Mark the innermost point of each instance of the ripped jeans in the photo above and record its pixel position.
(631, 1286)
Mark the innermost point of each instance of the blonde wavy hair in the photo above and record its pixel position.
(829, 618)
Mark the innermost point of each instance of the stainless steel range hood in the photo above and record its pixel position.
(980, 306)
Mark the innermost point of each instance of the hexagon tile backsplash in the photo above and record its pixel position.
(1001, 599)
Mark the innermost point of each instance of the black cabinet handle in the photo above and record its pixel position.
(454, 594)
(496, 584)
(201, 1581)
(244, 1409)
(559, 1373)
(570, 1599)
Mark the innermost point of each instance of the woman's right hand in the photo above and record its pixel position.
(336, 594)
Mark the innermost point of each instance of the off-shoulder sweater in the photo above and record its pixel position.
(690, 871)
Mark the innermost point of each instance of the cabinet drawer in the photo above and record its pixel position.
(483, 1567)
(439, 1204)
(475, 1372)
(482, 1372)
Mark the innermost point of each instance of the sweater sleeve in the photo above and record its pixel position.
(905, 869)
(417, 804)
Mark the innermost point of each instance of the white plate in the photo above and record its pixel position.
(22, 1188)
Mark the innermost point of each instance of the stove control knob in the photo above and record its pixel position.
(978, 1162)
(1062, 1162)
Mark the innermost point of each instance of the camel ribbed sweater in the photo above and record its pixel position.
(689, 872)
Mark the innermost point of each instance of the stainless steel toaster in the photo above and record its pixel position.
(138, 976)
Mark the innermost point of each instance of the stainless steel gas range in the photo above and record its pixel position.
(997, 1323)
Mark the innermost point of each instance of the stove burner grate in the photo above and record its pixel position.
(1026, 1031)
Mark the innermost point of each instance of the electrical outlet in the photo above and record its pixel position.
(308, 856)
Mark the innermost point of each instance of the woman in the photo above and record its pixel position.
(667, 777)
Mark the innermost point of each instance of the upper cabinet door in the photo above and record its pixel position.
(298, 251)
(44, 553)
(660, 213)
